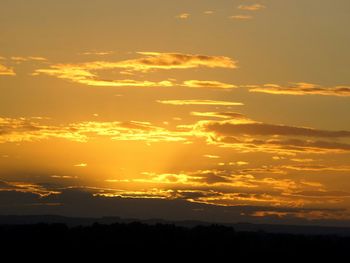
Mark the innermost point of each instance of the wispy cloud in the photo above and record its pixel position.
(97, 53)
(241, 17)
(81, 165)
(229, 128)
(253, 7)
(200, 102)
(208, 12)
(222, 115)
(19, 59)
(208, 84)
(87, 73)
(300, 89)
(183, 16)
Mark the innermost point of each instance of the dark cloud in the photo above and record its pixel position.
(227, 128)
(81, 203)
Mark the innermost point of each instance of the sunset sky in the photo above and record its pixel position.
(225, 110)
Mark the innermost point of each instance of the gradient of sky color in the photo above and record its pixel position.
(227, 104)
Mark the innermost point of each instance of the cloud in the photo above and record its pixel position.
(236, 132)
(238, 117)
(86, 73)
(240, 196)
(81, 165)
(228, 128)
(87, 202)
(251, 136)
(29, 58)
(183, 16)
(253, 7)
(323, 194)
(26, 187)
(207, 84)
(210, 156)
(97, 53)
(200, 102)
(317, 168)
(5, 71)
(30, 130)
(226, 188)
(241, 17)
(299, 89)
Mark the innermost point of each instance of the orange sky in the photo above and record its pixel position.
(238, 105)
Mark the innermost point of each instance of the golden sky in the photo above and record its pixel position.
(234, 106)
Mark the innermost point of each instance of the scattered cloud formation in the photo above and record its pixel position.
(235, 131)
(301, 88)
(30, 130)
(167, 204)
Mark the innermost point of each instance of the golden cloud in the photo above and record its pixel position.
(86, 73)
(208, 84)
(5, 71)
(253, 7)
(183, 16)
(29, 130)
(302, 89)
(243, 135)
(241, 17)
(199, 102)
(29, 58)
(233, 116)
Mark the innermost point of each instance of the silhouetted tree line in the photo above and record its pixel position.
(142, 241)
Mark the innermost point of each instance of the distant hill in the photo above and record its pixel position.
(242, 227)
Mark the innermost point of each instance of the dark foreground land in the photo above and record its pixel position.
(122, 242)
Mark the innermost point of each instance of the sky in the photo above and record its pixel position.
(226, 110)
